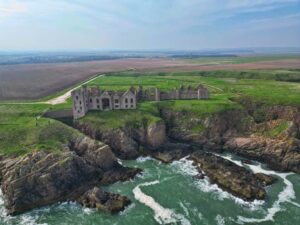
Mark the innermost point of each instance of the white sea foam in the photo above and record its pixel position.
(120, 161)
(185, 209)
(220, 220)
(286, 195)
(127, 209)
(142, 159)
(161, 215)
(88, 211)
(239, 163)
(185, 167)
(30, 220)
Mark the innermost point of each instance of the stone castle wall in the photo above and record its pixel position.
(154, 94)
(86, 99)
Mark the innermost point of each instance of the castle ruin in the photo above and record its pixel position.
(93, 98)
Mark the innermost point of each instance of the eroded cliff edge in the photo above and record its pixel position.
(269, 134)
(40, 178)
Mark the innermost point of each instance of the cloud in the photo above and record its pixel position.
(256, 3)
(10, 7)
(141, 23)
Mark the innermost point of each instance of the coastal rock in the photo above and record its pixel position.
(235, 179)
(40, 178)
(266, 133)
(119, 173)
(156, 135)
(279, 154)
(125, 142)
(108, 202)
(266, 179)
(171, 151)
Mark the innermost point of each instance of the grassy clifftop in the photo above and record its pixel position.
(23, 130)
(259, 85)
(146, 114)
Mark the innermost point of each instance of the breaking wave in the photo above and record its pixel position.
(286, 195)
(142, 159)
(220, 220)
(161, 215)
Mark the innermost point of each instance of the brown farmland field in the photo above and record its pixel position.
(35, 81)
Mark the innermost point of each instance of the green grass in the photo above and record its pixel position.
(146, 114)
(198, 128)
(275, 132)
(217, 103)
(265, 90)
(22, 130)
(241, 59)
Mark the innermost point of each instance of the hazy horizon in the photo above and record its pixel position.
(171, 25)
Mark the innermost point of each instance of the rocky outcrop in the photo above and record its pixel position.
(269, 134)
(108, 202)
(171, 151)
(279, 154)
(42, 178)
(126, 142)
(229, 176)
(266, 179)
(215, 127)
(151, 136)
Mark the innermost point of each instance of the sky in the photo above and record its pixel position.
(148, 24)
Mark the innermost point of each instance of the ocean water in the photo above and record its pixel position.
(168, 194)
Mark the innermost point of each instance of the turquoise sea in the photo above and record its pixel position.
(168, 194)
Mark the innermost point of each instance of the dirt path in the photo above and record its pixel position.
(63, 98)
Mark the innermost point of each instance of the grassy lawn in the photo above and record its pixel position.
(146, 114)
(22, 130)
(266, 90)
(263, 85)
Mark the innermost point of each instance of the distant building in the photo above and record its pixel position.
(85, 99)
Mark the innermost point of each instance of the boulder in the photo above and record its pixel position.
(169, 152)
(104, 201)
(266, 179)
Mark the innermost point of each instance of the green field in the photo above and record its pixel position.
(23, 129)
(239, 59)
(145, 114)
(223, 88)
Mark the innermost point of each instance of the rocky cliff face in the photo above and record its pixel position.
(126, 141)
(270, 134)
(41, 178)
